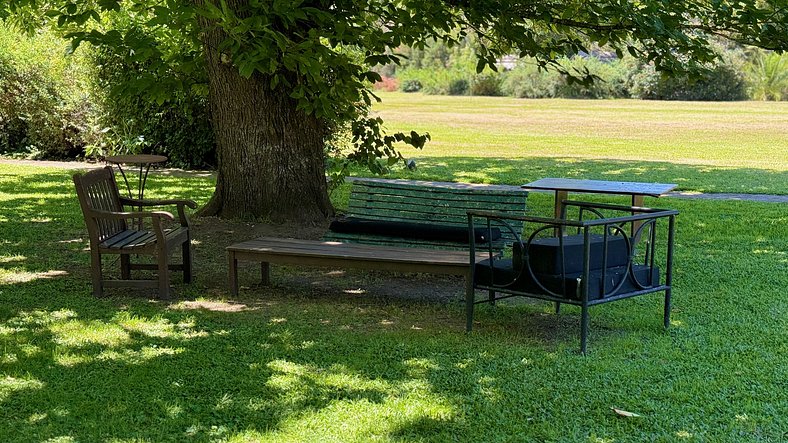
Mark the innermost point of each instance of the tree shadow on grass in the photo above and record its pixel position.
(127, 367)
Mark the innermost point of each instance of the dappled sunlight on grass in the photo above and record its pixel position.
(12, 276)
(10, 384)
(354, 404)
(419, 367)
(134, 356)
(347, 361)
(212, 305)
(84, 341)
(77, 334)
(12, 258)
(159, 327)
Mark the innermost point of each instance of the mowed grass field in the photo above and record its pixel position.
(330, 355)
(701, 146)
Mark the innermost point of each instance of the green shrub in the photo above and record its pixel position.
(486, 84)
(611, 79)
(411, 85)
(527, 81)
(723, 83)
(44, 110)
(767, 76)
(436, 81)
(458, 86)
(178, 127)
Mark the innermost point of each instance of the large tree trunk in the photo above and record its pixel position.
(270, 155)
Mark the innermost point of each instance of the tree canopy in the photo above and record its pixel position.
(320, 54)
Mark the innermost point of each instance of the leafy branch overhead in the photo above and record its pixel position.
(321, 52)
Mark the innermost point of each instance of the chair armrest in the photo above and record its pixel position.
(136, 202)
(181, 204)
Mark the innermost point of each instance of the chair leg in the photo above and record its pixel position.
(125, 267)
(187, 259)
(667, 308)
(164, 274)
(95, 274)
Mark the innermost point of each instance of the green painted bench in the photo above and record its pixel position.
(439, 203)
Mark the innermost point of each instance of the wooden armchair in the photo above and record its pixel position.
(115, 231)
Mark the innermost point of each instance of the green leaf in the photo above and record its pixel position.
(480, 64)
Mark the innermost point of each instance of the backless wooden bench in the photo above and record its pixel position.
(268, 250)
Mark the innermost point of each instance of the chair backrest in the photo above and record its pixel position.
(97, 190)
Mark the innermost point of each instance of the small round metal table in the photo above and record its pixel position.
(144, 161)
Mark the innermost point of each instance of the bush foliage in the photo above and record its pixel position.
(44, 109)
(447, 70)
(178, 127)
(60, 105)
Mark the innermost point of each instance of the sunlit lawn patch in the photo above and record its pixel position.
(707, 147)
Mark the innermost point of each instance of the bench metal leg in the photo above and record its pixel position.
(265, 273)
(232, 272)
(667, 308)
(557, 308)
(470, 295)
(491, 297)
(584, 320)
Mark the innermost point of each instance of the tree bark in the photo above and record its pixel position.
(271, 161)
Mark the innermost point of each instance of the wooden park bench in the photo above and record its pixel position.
(424, 214)
(397, 225)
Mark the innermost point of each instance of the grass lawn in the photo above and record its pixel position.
(705, 147)
(325, 355)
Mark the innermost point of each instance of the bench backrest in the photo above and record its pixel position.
(442, 203)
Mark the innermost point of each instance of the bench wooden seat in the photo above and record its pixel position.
(140, 241)
(268, 250)
(442, 203)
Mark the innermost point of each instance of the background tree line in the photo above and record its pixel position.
(739, 74)
(60, 105)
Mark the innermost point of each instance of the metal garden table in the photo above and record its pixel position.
(144, 161)
(563, 186)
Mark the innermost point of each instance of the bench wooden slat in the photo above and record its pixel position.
(428, 207)
(117, 238)
(338, 250)
(395, 183)
(123, 241)
(316, 253)
(442, 203)
(133, 239)
(440, 194)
